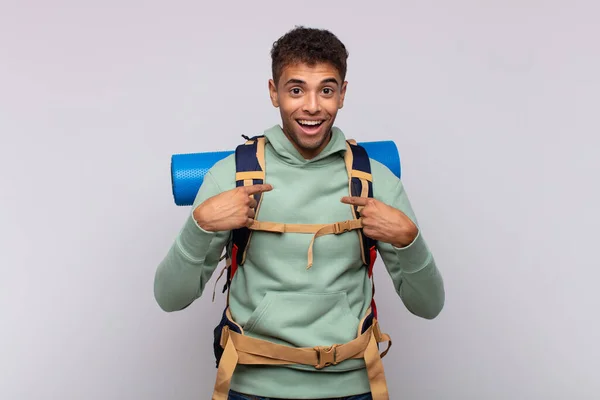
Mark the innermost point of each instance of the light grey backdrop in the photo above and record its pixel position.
(493, 105)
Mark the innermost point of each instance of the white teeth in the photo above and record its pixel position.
(304, 122)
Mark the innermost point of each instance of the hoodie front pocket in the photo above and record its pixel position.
(256, 316)
(301, 319)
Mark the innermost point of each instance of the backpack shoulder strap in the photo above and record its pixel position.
(249, 170)
(360, 184)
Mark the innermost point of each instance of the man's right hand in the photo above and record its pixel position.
(229, 210)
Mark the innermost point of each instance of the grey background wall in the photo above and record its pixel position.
(493, 106)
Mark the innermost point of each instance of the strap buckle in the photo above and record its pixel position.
(341, 227)
(326, 356)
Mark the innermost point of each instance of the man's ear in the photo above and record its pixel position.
(342, 94)
(273, 93)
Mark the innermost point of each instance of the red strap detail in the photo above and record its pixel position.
(373, 257)
(374, 308)
(234, 265)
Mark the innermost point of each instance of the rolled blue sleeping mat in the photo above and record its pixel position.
(188, 170)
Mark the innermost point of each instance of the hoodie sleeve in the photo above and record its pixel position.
(412, 268)
(190, 262)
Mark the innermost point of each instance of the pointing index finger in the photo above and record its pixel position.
(354, 200)
(253, 189)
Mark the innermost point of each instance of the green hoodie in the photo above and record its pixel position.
(273, 295)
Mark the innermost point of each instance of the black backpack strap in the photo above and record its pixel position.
(250, 170)
(358, 166)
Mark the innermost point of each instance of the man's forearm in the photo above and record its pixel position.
(416, 277)
(421, 286)
(190, 262)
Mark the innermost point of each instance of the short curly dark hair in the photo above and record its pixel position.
(309, 46)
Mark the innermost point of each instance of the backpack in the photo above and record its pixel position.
(250, 170)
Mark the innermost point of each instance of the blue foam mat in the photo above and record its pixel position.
(188, 170)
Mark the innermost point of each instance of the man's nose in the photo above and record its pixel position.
(312, 104)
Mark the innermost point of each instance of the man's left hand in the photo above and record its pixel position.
(384, 223)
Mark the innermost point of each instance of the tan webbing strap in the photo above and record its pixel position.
(278, 227)
(348, 159)
(336, 229)
(364, 191)
(381, 337)
(362, 175)
(318, 230)
(375, 371)
(256, 351)
(227, 365)
(260, 154)
(249, 175)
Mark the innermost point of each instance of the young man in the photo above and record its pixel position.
(301, 286)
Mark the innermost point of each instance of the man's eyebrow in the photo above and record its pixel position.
(330, 80)
(301, 82)
(295, 81)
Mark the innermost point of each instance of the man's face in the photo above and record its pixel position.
(308, 99)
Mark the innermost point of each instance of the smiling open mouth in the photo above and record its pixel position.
(309, 123)
(310, 127)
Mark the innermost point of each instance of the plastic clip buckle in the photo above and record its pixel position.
(326, 356)
(341, 227)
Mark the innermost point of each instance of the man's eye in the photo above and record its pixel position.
(328, 91)
(295, 91)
